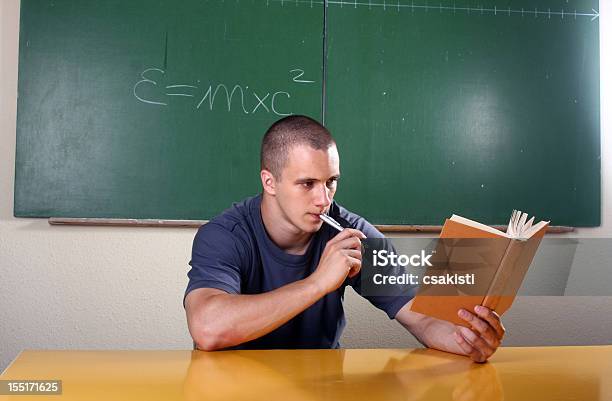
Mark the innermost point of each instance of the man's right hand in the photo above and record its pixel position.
(341, 258)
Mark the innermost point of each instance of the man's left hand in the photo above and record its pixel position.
(485, 335)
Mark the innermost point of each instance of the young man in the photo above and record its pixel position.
(267, 273)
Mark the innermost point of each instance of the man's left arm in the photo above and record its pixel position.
(478, 342)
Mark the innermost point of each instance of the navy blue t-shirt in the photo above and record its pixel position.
(234, 253)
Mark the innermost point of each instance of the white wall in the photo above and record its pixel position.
(117, 288)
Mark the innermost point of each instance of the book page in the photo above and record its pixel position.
(475, 224)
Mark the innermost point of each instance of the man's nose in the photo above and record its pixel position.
(323, 198)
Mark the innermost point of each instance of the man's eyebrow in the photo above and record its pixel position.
(308, 179)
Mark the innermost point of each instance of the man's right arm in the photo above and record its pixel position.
(217, 319)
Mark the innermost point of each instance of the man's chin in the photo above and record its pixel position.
(312, 227)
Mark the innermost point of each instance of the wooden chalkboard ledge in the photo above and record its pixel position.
(71, 221)
(436, 229)
(197, 223)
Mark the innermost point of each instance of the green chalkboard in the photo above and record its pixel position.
(475, 110)
(155, 109)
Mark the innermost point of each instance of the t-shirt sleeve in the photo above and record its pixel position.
(388, 304)
(215, 260)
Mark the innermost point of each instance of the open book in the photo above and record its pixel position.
(503, 261)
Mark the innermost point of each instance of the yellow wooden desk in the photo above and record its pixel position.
(541, 373)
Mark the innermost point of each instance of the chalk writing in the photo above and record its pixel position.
(300, 73)
(216, 96)
(146, 80)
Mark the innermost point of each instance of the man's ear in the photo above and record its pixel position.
(268, 182)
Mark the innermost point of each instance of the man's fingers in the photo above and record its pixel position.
(349, 243)
(355, 233)
(354, 253)
(355, 266)
(347, 233)
(482, 327)
(483, 350)
(464, 345)
(492, 318)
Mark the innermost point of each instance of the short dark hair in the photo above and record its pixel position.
(288, 132)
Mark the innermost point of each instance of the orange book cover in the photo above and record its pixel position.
(504, 258)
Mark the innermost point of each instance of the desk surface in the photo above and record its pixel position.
(541, 373)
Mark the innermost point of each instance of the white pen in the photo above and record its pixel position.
(331, 222)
